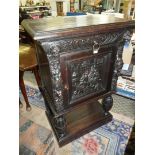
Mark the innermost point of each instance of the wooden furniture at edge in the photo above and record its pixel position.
(79, 59)
(27, 62)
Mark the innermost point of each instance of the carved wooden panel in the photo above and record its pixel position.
(85, 75)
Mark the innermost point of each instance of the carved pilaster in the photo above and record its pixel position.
(118, 65)
(119, 62)
(54, 64)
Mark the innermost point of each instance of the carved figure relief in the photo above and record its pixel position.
(86, 77)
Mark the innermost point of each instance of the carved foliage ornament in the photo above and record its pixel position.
(86, 42)
(52, 53)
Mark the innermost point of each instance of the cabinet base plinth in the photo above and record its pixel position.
(80, 121)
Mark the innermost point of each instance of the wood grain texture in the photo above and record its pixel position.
(62, 26)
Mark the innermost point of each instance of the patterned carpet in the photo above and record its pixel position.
(110, 139)
(34, 139)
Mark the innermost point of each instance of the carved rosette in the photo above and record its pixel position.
(54, 64)
(119, 62)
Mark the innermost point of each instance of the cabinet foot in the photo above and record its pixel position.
(107, 103)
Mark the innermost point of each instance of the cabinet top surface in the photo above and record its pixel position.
(54, 26)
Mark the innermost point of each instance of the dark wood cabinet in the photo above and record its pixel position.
(80, 59)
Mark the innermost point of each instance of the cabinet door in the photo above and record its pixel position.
(86, 75)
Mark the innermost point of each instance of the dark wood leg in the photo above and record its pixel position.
(37, 75)
(23, 90)
(20, 103)
(107, 103)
